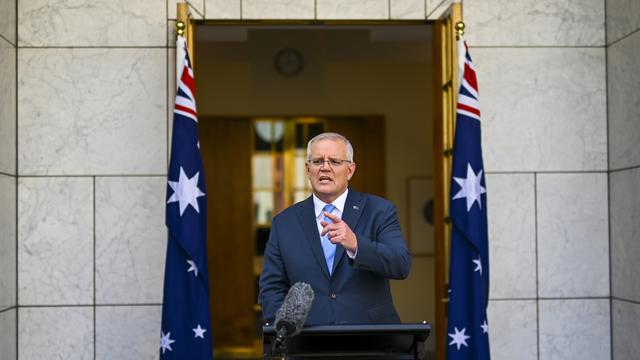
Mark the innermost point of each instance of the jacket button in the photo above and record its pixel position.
(333, 295)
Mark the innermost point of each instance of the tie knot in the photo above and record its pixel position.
(329, 208)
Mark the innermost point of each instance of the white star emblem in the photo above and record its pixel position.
(165, 341)
(485, 327)
(470, 188)
(478, 266)
(193, 267)
(199, 332)
(459, 338)
(186, 191)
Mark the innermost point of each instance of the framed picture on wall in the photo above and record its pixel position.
(420, 210)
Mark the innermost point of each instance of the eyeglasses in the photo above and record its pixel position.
(332, 162)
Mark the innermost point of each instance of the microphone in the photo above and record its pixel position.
(293, 312)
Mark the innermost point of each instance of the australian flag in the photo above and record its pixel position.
(467, 327)
(186, 323)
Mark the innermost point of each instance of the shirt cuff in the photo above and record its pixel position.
(351, 254)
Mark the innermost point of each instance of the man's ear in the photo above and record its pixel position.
(352, 170)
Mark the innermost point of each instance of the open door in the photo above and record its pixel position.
(445, 52)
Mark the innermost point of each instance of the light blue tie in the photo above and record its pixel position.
(327, 246)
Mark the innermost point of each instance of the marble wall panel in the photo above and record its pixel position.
(512, 241)
(363, 9)
(278, 9)
(8, 335)
(46, 333)
(131, 239)
(625, 234)
(573, 240)
(534, 23)
(55, 241)
(574, 329)
(623, 18)
(435, 8)
(127, 332)
(543, 109)
(7, 241)
(92, 111)
(8, 20)
(513, 329)
(624, 102)
(91, 23)
(625, 320)
(7, 107)
(222, 9)
(407, 9)
(196, 8)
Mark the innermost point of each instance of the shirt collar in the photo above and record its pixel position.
(318, 204)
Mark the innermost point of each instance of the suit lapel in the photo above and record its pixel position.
(307, 217)
(351, 215)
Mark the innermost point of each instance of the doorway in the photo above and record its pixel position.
(372, 83)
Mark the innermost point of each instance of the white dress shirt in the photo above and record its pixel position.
(319, 205)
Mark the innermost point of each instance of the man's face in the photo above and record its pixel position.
(328, 180)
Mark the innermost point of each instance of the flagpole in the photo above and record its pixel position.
(185, 27)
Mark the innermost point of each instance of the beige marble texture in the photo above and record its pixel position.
(127, 332)
(435, 8)
(513, 329)
(574, 329)
(362, 9)
(7, 107)
(8, 257)
(131, 239)
(222, 9)
(623, 18)
(91, 23)
(8, 20)
(512, 242)
(407, 9)
(623, 72)
(92, 111)
(534, 23)
(55, 241)
(543, 109)
(46, 333)
(278, 9)
(625, 232)
(8, 335)
(573, 236)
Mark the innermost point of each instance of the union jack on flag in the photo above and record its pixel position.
(467, 326)
(186, 323)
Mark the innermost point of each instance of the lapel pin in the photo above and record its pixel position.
(356, 207)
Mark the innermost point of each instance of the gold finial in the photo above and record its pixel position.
(180, 27)
(459, 29)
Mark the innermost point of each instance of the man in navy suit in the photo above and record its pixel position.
(345, 244)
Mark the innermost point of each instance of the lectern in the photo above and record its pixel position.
(354, 342)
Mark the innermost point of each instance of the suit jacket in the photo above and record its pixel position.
(358, 290)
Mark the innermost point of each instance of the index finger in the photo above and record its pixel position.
(333, 218)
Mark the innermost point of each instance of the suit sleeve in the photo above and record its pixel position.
(274, 282)
(387, 254)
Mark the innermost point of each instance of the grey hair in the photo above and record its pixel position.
(331, 136)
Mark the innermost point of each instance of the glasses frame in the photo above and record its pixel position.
(332, 162)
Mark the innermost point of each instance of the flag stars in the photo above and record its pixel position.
(192, 267)
(470, 188)
(186, 191)
(478, 266)
(165, 341)
(485, 327)
(459, 338)
(199, 332)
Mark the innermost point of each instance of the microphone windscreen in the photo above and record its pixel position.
(293, 312)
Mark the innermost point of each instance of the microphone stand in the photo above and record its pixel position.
(280, 344)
